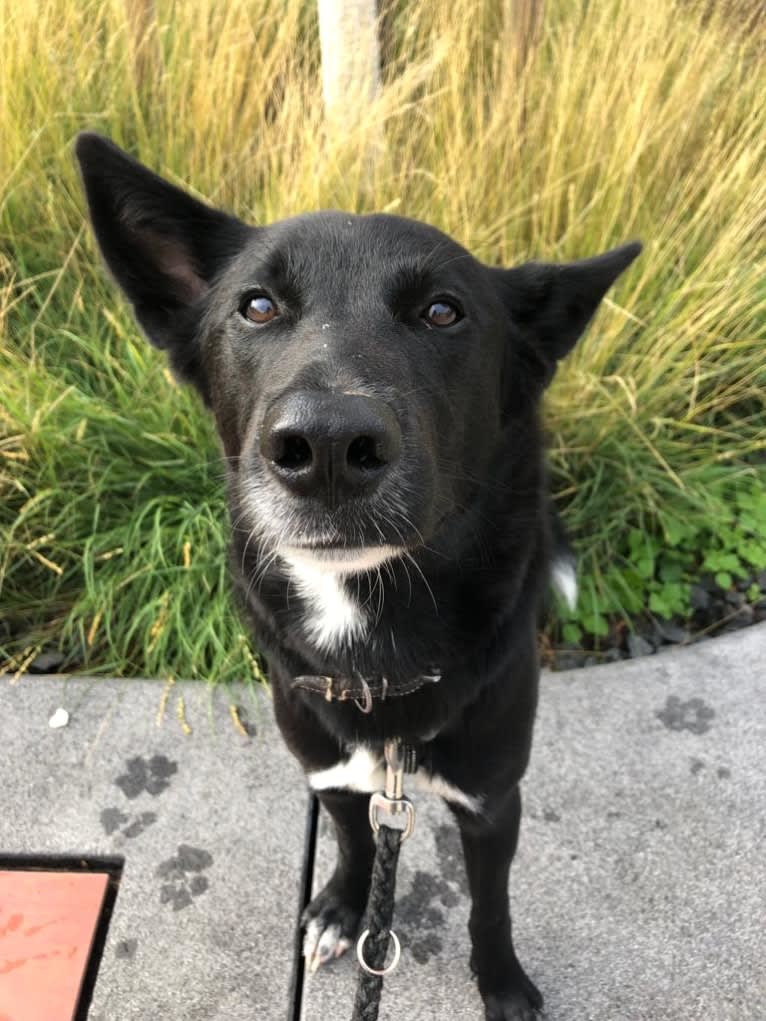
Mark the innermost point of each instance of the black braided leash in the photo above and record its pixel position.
(377, 923)
(385, 806)
(372, 948)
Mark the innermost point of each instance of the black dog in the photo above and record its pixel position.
(376, 391)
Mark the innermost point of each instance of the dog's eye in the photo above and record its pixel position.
(260, 309)
(441, 313)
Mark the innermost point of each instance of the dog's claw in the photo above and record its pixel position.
(323, 945)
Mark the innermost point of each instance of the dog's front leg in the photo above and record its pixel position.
(489, 844)
(332, 918)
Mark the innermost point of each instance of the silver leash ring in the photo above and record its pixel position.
(365, 966)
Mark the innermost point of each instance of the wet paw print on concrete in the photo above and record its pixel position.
(113, 818)
(696, 766)
(693, 715)
(150, 775)
(125, 950)
(183, 878)
(422, 918)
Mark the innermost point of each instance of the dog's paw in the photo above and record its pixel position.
(513, 1007)
(520, 1003)
(509, 994)
(331, 925)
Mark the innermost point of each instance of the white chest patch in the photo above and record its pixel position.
(332, 617)
(364, 771)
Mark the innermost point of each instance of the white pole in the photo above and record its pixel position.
(348, 35)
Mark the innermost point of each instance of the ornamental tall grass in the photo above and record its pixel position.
(628, 120)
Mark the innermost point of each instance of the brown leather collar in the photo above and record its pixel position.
(361, 690)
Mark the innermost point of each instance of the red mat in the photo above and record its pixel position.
(47, 924)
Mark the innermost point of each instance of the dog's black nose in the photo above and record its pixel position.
(330, 445)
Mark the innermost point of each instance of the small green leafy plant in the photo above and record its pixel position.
(657, 571)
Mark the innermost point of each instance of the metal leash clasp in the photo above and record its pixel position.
(392, 803)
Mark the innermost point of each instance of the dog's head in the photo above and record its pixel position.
(364, 371)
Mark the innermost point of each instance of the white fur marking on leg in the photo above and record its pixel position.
(328, 943)
(323, 945)
(311, 939)
(565, 580)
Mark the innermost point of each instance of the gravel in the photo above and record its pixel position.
(638, 646)
(47, 662)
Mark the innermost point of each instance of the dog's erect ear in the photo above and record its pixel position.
(551, 304)
(163, 247)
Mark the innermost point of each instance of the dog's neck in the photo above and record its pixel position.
(397, 622)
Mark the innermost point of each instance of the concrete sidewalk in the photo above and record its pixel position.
(211, 825)
(638, 890)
